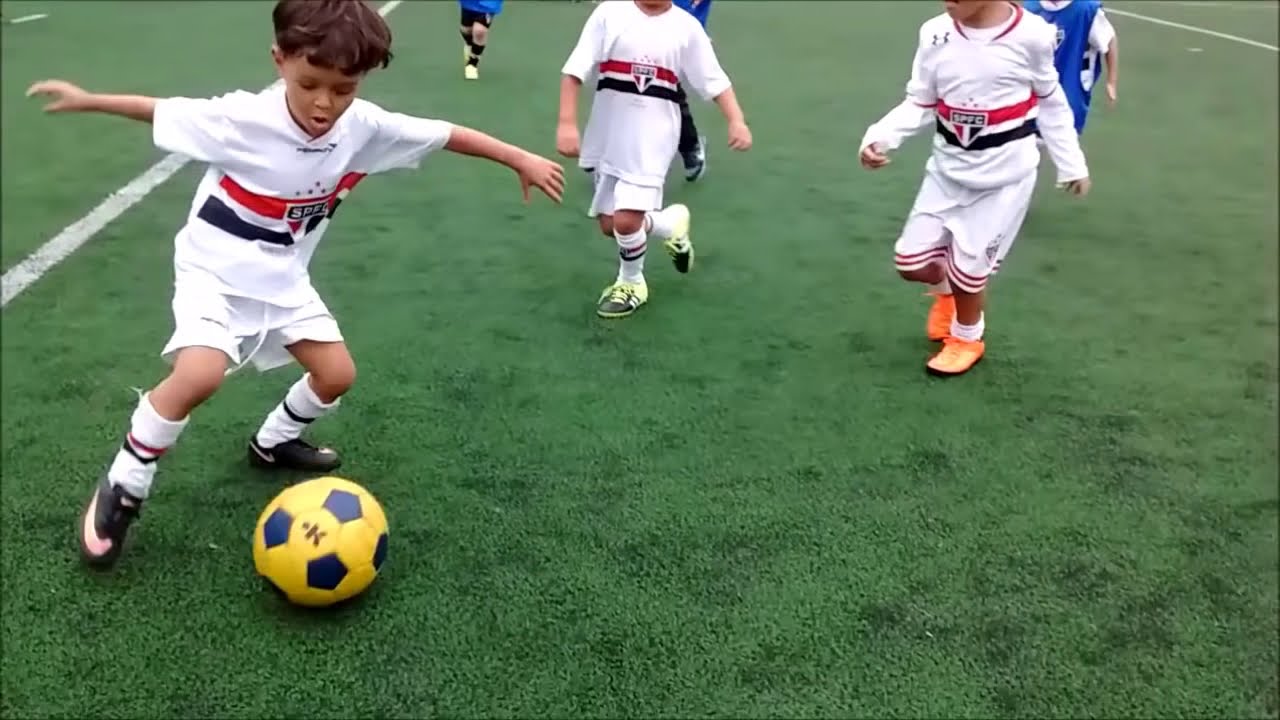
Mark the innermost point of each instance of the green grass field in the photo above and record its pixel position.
(746, 501)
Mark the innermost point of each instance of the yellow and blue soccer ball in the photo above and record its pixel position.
(321, 541)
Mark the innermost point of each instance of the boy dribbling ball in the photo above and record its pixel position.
(638, 51)
(280, 162)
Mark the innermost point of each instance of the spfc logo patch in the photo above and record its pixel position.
(643, 75)
(1057, 42)
(297, 215)
(966, 124)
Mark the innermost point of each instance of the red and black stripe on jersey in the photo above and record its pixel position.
(639, 79)
(295, 212)
(976, 121)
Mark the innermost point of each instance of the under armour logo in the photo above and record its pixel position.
(942, 39)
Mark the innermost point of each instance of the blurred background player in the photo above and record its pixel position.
(693, 146)
(477, 18)
(637, 51)
(1085, 39)
(982, 77)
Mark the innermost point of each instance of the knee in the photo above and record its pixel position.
(629, 222)
(606, 225)
(334, 378)
(929, 275)
(479, 33)
(197, 374)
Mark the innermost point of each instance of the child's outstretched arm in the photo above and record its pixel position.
(68, 97)
(533, 170)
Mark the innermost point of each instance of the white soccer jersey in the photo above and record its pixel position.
(985, 92)
(638, 61)
(270, 189)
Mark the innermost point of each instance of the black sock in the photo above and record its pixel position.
(476, 52)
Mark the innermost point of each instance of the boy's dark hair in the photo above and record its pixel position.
(343, 35)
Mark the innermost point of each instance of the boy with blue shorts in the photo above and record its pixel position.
(1085, 40)
(477, 18)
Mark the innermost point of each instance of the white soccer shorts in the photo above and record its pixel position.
(613, 194)
(968, 231)
(246, 330)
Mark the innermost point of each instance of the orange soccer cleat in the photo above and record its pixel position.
(957, 357)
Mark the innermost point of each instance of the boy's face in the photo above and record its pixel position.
(317, 96)
(654, 5)
(962, 11)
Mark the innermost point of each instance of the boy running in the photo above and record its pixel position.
(983, 75)
(280, 162)
(639, 50)
(1085, 39)
(477, 18)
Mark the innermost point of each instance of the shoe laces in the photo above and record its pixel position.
(622, 292)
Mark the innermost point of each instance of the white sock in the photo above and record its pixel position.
(150, 435)
(299, 409)
(631, 256)
(661, 223)
(972, 333)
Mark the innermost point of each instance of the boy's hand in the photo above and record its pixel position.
(739, 136)
(1079, 188)
(873, 157)
(1111, 94)
(537, 171)
(66, 97)
(567, 142)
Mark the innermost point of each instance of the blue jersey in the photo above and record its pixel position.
(700, 12)
(484, 7)
(1078, 64)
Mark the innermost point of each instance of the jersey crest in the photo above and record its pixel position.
(643, 75)
(1059, 37)
(966, 124)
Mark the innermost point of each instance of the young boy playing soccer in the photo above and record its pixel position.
(982, 77)
(692, 146)
(1084, 37)
(279, 164)
(639, 51)
(477, 18)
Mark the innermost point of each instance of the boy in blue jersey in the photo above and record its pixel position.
(477, 18)
(1085, 40)
(693, 147)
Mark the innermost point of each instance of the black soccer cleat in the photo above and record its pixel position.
(105, 523)
(294, 455)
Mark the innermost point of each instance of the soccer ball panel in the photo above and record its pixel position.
(343, 505)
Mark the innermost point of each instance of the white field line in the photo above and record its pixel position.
(1192, 28)
(23, 275)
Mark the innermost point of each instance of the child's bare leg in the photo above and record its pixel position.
(330, 373)
(155, 426)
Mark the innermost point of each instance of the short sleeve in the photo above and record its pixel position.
(202, 129)
(398, 141)
(588, 53)
(702, 68)
(1101, 32)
